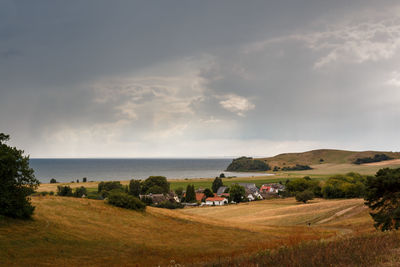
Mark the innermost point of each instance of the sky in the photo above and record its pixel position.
(194, 78)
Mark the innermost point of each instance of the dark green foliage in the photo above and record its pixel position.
(376, 158)
(276, 168)
(108, 186)
(17, 181)
(170, 205)
(126, 201)
(155, 189)
(190, 194)
(222, 175)
(51, 193)
(351, 185)
(134, 188)
(247, 164)
(77, 180)
(383, 198)
(298, 167)
(179, 192)
(299, 185)
(304, 196)
(208, 192)
(53, 181)
(64, 191)
(237, 193)
(80, 191)
(159, 181)
(147, 200)
(84, 179)
(217, 183)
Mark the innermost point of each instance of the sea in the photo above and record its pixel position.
(67, 170)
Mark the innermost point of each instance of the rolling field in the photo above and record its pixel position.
(70, 231)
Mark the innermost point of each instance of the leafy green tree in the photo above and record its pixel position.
(208, 192)
(383, 198)
(64, 191)
(179, 192)
(155, 189)
(160, 181)
(80, 191)
(302, 184)
(17, 181)
(237, 193)
(134, 188)
(108, 186)
(53, 181)
(304, 196)
(217, 183)
(190, 194)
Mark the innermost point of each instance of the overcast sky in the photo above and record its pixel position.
(199, 78)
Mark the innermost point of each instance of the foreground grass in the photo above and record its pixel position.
(368, 250)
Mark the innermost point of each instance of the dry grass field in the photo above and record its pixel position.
(70, 231)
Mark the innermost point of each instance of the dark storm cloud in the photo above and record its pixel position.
(198, 78)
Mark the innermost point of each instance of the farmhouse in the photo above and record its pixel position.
(252, 192)
(221, 190)
(217, 201)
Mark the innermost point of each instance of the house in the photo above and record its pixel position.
(155, 198)
(252, 192)
(217, 201)
(199, 196)
(221, 190)
(274, 188)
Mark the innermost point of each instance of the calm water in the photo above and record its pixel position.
(66, 170)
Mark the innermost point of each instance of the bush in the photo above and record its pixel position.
(80, 191)
(126, 201)
(170, 205)
(53, 181)
(247, 164)
(304, 196)
(108, 186)
(64, 191)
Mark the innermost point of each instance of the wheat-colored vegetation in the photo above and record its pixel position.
(70, 231)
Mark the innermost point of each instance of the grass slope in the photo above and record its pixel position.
(328, 155)
(70, 231)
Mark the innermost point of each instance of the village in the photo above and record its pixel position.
(222, 196)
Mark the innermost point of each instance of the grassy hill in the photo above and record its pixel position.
(327, 155)
(70, 231)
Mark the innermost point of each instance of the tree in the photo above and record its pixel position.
(84, 179)
(383, 198)
(53, 181)
(208, 192)
(17, 181)
(237, 193)
(134, 188)
(160, 181)
(64, 191)
(217, 183)
(80, 191)
(155, 189)
(190, 194)
(304, 196)
(222, 175)
(179, 192)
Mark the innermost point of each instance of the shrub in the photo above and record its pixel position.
(80, 191)
(126, 201)
(108, 186)
(53, 181)
(64, 191)
(298, 167)
(304, 196)
(376, 158)
(170, 205)
(159, 181)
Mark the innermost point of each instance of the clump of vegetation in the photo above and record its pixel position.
(208, 193)
(351, 185)
(134, 188)
(190, 194)
(298, 167)
(108, 186)
(17, 181)
(53, 181)
(303, 184)
(375, 158)
(382, 196)
(304, 196)
(64, 191)
(247, 164)
(155, 185)
(170, 205)
(217, 183)
(126, 201)
(237, 193)
(80, 192)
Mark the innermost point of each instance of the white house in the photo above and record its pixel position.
(217, 201)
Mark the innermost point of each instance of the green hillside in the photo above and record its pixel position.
(323, 156)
